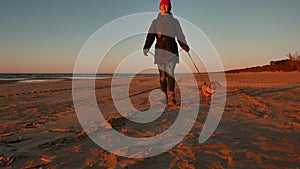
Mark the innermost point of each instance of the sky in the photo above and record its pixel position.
(47, 36)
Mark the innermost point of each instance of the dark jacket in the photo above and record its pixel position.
(165, 28)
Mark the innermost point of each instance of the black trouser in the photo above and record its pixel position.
(166, 73)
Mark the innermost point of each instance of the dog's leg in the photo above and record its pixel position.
(212, 99)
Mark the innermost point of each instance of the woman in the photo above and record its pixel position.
(165, 28)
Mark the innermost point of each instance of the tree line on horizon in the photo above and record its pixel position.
(292, 63)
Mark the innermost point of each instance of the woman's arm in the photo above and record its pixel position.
(150, 36)
(180, 37)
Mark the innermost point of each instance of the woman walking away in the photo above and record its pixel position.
(165, 28)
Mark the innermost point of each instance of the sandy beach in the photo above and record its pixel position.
(260, 126)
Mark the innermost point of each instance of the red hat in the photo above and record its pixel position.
(166, 2)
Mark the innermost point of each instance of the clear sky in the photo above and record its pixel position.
(46, 36)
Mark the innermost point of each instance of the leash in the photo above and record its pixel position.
(195, 66)
(190, 58)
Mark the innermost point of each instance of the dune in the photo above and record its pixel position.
(260, 126)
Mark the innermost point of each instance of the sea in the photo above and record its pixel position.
(42, 77)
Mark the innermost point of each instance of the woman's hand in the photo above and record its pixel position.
(145, 51)
(186, 48)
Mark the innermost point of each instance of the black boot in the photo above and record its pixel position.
(171, 98)
(164, 98)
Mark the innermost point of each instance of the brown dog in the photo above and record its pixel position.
(208, 90)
